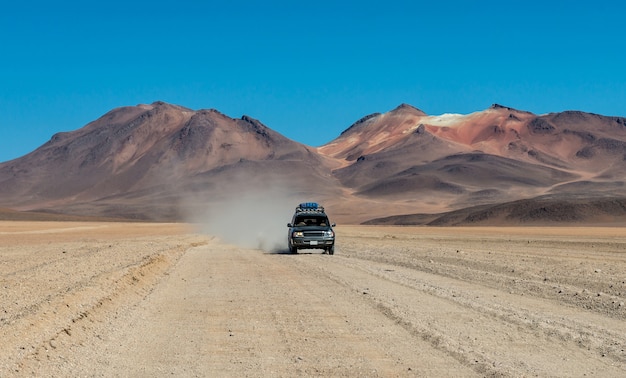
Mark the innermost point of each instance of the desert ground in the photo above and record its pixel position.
(153, 299)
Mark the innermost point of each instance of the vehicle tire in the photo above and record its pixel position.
(331, 250)
(293, 250)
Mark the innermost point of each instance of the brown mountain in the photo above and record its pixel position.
(452, 161)
(159, 161)
(164, 162)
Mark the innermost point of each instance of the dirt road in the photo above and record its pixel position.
(107, 299)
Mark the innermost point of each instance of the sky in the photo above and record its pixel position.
(306, 69)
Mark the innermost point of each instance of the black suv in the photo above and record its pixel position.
(310, 228)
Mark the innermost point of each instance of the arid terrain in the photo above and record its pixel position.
(165, 162)
(155, 299)
(482, 244)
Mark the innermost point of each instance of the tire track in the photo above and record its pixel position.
(65, 317)
(485, 322)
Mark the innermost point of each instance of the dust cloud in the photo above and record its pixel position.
(255, 219)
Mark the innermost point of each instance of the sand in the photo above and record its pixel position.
(139, 299)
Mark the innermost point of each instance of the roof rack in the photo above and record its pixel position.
(310, 206)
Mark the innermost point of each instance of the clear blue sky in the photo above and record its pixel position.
(305, 69)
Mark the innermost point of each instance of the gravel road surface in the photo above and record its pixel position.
(132, 299)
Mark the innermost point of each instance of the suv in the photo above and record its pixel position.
(310, 229)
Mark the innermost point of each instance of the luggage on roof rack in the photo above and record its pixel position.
(309, 206)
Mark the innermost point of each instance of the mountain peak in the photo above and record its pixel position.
(498, 106)
(359, 123)
(407, 107)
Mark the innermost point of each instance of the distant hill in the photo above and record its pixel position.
(541, 211)
(165, 162)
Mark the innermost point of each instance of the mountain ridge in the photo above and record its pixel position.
(161, 161)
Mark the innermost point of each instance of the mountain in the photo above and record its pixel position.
(157, 162)
(501, 154)
(167, 162)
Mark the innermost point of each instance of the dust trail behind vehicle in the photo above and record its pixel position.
(256, 219)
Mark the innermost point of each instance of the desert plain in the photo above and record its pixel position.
(103, 299)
